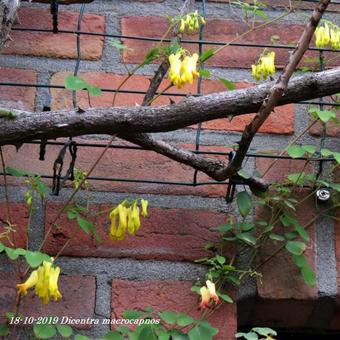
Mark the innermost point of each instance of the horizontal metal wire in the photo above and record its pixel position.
(185, 41)
(144, 92)
(215, 153)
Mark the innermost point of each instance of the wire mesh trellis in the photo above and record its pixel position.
(200, 42)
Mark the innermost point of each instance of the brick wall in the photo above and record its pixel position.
(155, 268)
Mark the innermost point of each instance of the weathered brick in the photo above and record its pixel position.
(61, 45)
(279, 122)
(17, 97)
(19, 217)
(169, 295)
(281, 168)
(332, 129)
(167, 234)
(119, 163)
(73, 304)
(281, 277)
(219, 30)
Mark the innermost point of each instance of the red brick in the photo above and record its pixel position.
(218, 30)
(19, 216)
(73, 304)
(167, 234)
(281, 168)
(170, 295)
(61, 45)
(17, 97)
(281, 277)
(280, 122)
(119, 163)
(332, 129)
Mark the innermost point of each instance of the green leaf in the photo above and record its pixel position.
(81, 337)
(299, 260)
(337, 157)
(84, 224)
(296, 247)
(11, 253)
(204, 73)
(178, 335)
(75, 83)
(251, 336)
(132, 314)
(298, 178)
(326, 115)
(196, 289)
(247, 237)
(265, 331)
(302, 232)
(2, 247)
(184, 320)
(276, 237)
(169, 317)
(94, 90)
(147, 332)
(207, 54)
(72, 214)
(44, 331)
(4, 330)
(308, 274)
(309, 148)
(117, 44)
(16, 172)
(295, 151)
(225, 228)
(227, 83)
(244, 203)
(225, 297)
(326, 152)
(152, 55)
(243, 174)
(35, 258)
(112, 335)
(220, 259)
(203, 331)
(163, 335)
(64, 330)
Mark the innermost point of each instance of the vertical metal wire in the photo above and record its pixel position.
(76, 68)
(324, 127)
(199, 83)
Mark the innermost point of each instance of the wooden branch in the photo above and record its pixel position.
(8, 15)
(125, 120)
(278, 89)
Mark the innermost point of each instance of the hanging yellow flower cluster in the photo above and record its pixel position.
(208, 295)
(128, 218)
(182, 70)
(326, 35)
(191, 22)
(265, 66)
(45, 281)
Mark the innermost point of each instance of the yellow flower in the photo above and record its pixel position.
(144, 204)
(208, 293)
(175, 69)
(322, 35)
(182, 72)
(188, 69)
(335, 38)
(265, 66)
(205, 298)
(118, 232)
(191, 22)
(45, 280)
(212, 291)
(29, 283)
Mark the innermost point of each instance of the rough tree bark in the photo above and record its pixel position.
(8, 14)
